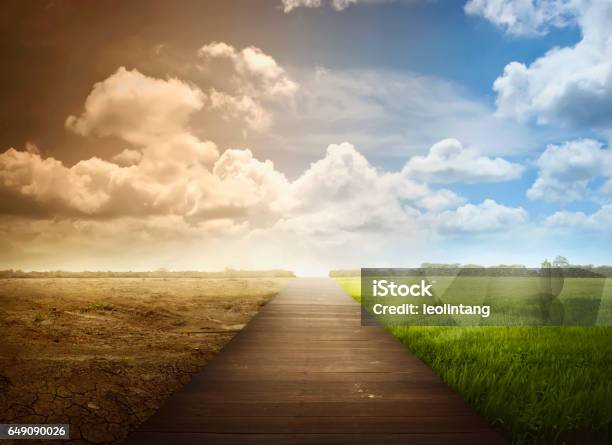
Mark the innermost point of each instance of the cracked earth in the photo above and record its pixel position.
(102, 354)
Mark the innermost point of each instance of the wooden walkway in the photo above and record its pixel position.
(304, 371)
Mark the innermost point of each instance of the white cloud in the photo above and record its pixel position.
(566, 171)
(437, 200)
(239, 187)
(341, 201)
(218, 49)
(526, 17)
(343, 192)
(569, 85)
(170, 172)
(338, 5)
(256, 183)
(127, 157)
(345, 176)
(341, 210)
(244, 107)
(599, 220)
(290, 5)
(259, 74)
(448, 161)
(488, 216)
(258, 81)
(137, 108)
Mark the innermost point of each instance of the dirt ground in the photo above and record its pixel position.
(102, 354)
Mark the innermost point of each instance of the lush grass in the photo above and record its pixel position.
(538, 384)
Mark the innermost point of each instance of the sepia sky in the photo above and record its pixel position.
(304, 134)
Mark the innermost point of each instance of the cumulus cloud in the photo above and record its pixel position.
(343, 193)
(341, 202)
(257, 184)
(127, 157)
(259, 74)
(170, 171)
(137, 108)
(338, 194)
(290, 5)
(566, 171)
(258, 81)
(526, 17)
(599, 220)
(569, 85)
(488, 216)
(244, 107)
(441, 199)
(448, 161)
(344, 175)
(169, 176)
(99, 189)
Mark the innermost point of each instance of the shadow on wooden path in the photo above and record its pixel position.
(304, 371)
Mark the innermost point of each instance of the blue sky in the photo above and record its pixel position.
(439, 39)
(430, 37)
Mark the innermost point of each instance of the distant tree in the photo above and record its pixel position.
(560, 261)
(546, 264)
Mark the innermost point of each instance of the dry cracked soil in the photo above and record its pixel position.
(102, 354)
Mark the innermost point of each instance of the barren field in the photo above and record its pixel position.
(102, 354)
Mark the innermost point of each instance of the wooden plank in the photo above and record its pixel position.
(305, 371)
(192, 408)
(328, 425)
(338, 390)
(156, 438)
(218, 373)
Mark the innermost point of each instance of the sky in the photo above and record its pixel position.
(306, 135)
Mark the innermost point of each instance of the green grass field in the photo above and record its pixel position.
(537, 384)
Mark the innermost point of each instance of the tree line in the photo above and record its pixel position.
(518, 270)
(161, 273)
